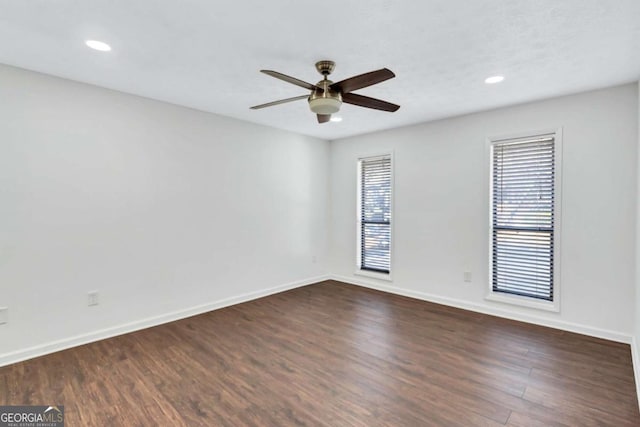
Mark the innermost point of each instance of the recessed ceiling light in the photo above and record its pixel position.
(336, 119)
(98, 45)
(493, 79)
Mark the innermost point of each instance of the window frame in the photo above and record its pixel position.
(521, 300)
(358, 269)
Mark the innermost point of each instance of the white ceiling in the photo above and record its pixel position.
(206, 54)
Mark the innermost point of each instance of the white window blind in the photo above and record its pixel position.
(375, 214)
(523, 183)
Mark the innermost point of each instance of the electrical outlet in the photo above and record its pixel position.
(93, 298)
(4, 315)
(467, 276)
(314, 259)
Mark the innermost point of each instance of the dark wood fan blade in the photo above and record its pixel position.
(290, 79)
(365, 101)
(282, 101)
(324, 118)
(363, 80)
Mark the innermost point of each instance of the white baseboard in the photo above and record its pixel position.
(479, 308)
(51, 347)
(63, 344)
(635, 357)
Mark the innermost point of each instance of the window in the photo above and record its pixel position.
(524, 215)
(374, 214)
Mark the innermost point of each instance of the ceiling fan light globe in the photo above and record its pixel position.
(325, 105)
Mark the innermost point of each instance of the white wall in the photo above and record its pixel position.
(635, 350)
(158, 207)
(441, 216)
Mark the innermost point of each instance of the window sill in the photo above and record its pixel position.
(524, 302)
(374, 275)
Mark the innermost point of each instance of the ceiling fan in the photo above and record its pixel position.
(326, 96)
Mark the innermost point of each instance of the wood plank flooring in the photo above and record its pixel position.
(332, 354)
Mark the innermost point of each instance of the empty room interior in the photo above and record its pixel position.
(382, 213)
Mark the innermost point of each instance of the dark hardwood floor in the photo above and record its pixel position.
(332, 354)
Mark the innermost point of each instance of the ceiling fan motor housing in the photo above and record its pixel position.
(325, 100)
